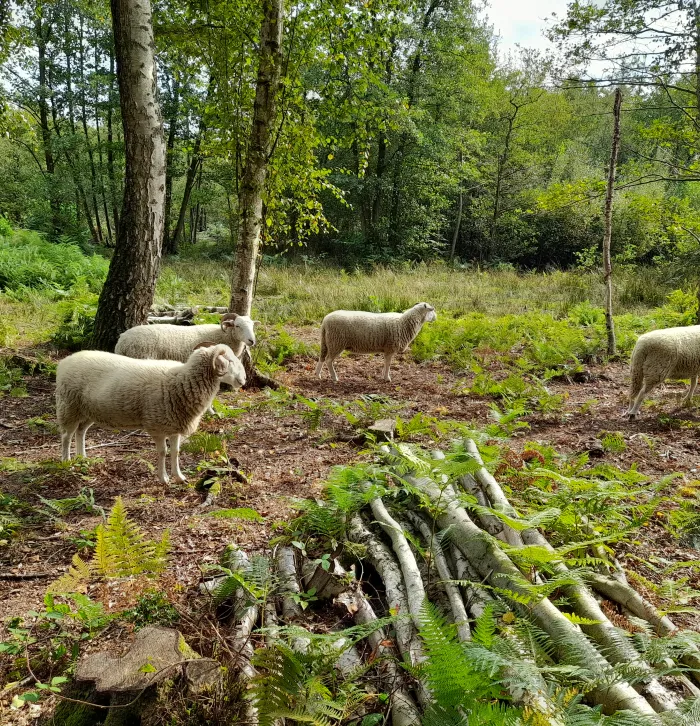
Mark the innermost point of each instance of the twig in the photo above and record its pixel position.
(25, 575)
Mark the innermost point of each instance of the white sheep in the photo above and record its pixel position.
(175, 342)
(166, 399)
(661, 354)
(361, 332)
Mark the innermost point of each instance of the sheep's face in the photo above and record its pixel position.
(240, 328)
(228, 367)
(429, 315)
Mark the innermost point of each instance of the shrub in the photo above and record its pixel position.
(75, 330)
(27, 260)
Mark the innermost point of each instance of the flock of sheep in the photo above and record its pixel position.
(163, 378)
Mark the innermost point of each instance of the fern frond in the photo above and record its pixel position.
(73, 581)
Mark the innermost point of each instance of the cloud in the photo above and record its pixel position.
(520, 21)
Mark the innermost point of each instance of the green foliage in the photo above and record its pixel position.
(84, 500)
(52, 639)
(121, 550)
(306, 687)
(76, 327)
(10, 520)
(29, 261)
(463, 681)
(11, 380)
(152, 608)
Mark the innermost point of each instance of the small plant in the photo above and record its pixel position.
(11, 380)
(84, 500)
(38, 424)
(613, 442)
(120, 550)
(10, 521)
(152, 608)
(51, 639)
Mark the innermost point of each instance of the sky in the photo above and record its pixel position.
(522, 21)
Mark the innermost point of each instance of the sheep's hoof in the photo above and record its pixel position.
(179, 479)
(630, 416)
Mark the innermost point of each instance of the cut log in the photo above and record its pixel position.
(415, 592)
(494, 565)
(459, 611)
(285, 561)
(154, 654)
(383, 429)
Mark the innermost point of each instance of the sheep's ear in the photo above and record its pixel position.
(256, 322)
(220, 364)
(205, 344)
(228, 320)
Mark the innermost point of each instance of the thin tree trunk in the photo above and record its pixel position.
(264, 114)
(110, 147)
(170, 150)
(128, 292)
(607, 237)
(103, 190)
(458, 223)
(502, 161)
(88, 145)
(41, 31)
(195, 161)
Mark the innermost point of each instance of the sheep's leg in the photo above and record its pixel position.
(689, 397)
(319, 367)
(80, 438)
(388, 357)
(634, 408)
(161, 448)
(331, 367)
(178, 476)
(66, 438)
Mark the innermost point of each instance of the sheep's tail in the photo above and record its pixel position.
(636, 372)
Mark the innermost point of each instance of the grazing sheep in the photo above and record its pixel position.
(164, 398)
(175, 342)
(360, 332)
(661, 354)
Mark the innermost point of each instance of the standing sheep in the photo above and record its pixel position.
(661, 354)
(175, 342)
(360, 332)
(164, 398)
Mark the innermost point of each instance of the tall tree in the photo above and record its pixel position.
(128, 291)
(250, 198)
(607, 237)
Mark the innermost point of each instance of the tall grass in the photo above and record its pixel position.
(304, 294)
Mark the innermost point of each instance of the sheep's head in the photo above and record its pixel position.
(429, 314)
(240, 328)
(225, 364)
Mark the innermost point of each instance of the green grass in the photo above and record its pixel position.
(303, 295)
(537, 323)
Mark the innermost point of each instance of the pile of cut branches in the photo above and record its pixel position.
(464, 612)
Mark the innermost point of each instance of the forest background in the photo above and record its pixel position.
(403, 135)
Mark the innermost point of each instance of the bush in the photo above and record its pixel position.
(27, 260)
(75, 330)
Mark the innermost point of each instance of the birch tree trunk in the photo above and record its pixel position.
(607, 237)
(128, 291)
(250, 200)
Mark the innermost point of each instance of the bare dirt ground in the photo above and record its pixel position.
(283, 460)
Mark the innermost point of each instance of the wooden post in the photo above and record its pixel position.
(607, 263)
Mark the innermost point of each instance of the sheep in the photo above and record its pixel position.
(360, 332)
(166, 399)
(661, 354)
(175, 342)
